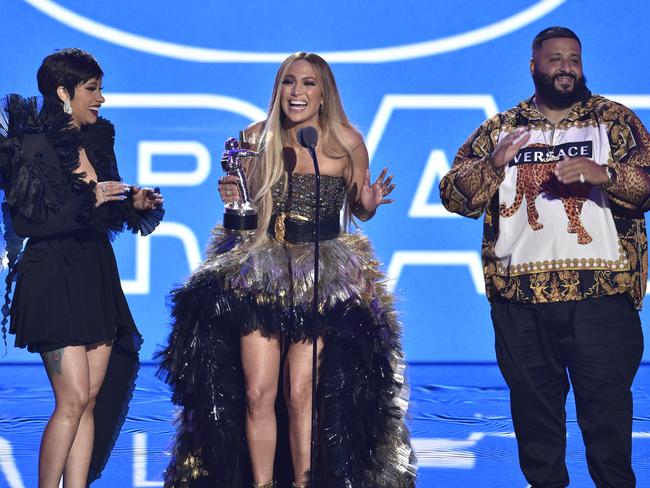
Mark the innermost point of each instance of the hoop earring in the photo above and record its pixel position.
(67, 108)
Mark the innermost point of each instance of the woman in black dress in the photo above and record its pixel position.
(64, 194)
(242, 323)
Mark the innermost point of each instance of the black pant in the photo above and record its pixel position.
(600, 343)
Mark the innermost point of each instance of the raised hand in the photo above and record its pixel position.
(509, 146)
(372, 196)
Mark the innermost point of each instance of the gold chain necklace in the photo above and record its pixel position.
(550, 148)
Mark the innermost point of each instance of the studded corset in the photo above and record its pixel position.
(299, 196)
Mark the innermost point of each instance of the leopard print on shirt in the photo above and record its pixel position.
(533, 179)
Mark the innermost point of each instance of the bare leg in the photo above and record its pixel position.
(298, 376)
(67, 369)
(75, 473)
(261, 363)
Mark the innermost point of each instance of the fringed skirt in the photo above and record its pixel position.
(361, 396)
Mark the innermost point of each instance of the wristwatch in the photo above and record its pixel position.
(611, 175)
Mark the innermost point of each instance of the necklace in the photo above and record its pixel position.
(550, 147)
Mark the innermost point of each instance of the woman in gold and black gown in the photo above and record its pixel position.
(242, 324)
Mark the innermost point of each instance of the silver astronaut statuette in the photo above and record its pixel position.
(241, 215)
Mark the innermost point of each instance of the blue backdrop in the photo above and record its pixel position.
(415, 77)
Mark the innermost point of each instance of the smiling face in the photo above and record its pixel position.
(556, 68)
(301, 95)
(86, 101)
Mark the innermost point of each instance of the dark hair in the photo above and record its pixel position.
(554, 33)
(66, 68)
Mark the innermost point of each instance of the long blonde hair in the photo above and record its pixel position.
(269, 166)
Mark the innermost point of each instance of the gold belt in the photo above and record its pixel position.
(280, 228)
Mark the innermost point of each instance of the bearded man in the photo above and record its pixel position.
(563, 179)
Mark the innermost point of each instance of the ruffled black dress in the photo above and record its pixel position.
(67, 286)
(362, 397)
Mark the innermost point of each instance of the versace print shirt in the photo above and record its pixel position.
(544, 241)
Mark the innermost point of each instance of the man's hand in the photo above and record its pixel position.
(509, 146)
(583, 170)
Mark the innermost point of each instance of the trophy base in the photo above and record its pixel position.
(240, 222)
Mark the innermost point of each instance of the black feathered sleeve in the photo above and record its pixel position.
(43, 192)
(6, 146)
(34, 204)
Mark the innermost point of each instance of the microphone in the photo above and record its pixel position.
(307, 136)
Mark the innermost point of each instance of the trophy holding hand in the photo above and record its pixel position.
(240, 215)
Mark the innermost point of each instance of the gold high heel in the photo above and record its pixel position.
(268, 484)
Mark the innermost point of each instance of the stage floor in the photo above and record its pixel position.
(459, 417)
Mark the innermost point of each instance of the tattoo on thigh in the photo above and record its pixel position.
(54, 360)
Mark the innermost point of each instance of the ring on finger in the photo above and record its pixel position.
(582, 178)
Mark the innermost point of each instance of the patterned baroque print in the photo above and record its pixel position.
(471, 188)
(475, 180)
(630, 149)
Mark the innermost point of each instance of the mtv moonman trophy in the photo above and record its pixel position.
(241, 215)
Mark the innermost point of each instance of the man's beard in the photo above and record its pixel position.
(545, 87)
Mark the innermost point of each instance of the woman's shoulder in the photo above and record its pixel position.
(353, 142)
(36, 132)
(256, 127)
(20, 115)
(13, 103)
(352, 138)
(250, 136)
